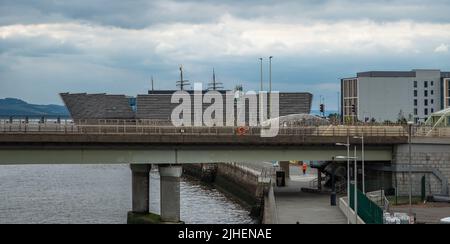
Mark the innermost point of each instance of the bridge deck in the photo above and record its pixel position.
(157, 134)
(22, 143)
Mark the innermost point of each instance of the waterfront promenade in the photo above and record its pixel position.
(294, 206)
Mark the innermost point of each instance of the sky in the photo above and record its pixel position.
(51, 46)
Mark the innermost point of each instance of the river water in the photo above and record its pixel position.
(100, 194)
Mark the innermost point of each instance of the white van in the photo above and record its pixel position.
(445, 220)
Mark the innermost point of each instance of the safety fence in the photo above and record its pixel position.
(367, 210)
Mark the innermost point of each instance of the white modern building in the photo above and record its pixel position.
(393, 95)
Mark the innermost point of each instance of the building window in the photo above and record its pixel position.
(432, 92)
(432, 110)
(415, 93)
(415, 102)
(416, 120)
(425, 84)
(425, 102)
(350, 96)
(425, 93)
(432, 83)
(425, 111)
(415, 84)
(432, 101)
(415, 111)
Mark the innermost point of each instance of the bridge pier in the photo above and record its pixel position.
(140, 177)
(140, 184)
(170, 192)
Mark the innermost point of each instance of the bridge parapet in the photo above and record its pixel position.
(144, 127)
(128, 127)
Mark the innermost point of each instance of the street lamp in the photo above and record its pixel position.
(261, 62)
(270, 85)
(410, 124)
(362, 159)
(348, 190)
(356, 188)
(270, 74)
(348, 169)
(348, 178)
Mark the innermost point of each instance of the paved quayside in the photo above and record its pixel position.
(293, 205)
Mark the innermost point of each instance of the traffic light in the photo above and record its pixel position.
(354, 108)
(322, 108)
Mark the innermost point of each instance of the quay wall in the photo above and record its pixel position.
(239, 182)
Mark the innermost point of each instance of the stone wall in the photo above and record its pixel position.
(239, 181)
(205, 172)
(233, 179)
(429, 160)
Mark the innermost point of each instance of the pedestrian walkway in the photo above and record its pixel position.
(294, 206)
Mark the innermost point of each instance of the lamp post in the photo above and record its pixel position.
(270, 85)
(270, 74)
(348, 169)
(362, 161)
(261, 73)
(348, 190)
(356, 188)
(410, 124)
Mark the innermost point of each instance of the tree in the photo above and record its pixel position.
(401, 117)
(334, 118)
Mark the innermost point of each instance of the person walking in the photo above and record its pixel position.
(305, 167)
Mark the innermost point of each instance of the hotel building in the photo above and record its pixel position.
(393, 95)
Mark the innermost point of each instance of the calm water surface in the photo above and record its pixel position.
(99, 194)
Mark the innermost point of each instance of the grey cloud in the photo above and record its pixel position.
(140, 13)
(37, 68)
(38, 46)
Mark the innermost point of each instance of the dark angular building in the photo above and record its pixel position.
(157, 106)
(98, 106)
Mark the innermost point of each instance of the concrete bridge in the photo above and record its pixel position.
(143, 144)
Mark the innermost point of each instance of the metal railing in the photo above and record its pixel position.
(379, 197)
(152, 127)
(268, 174)
(341, 187)
(427, 131)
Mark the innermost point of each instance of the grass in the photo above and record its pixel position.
(146, 218)
(137, 218)
(403, 200)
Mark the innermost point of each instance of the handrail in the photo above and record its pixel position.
(151, 127)
(144, 129)
(379, 197)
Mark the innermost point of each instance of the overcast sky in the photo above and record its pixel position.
(51, 46)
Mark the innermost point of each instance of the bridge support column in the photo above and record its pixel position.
(170, 192)
(140, 187)
(285, 167)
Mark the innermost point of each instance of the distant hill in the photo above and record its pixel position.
(17, 107)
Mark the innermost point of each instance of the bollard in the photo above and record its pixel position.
(333, 199)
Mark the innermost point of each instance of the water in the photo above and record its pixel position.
(99, 194)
